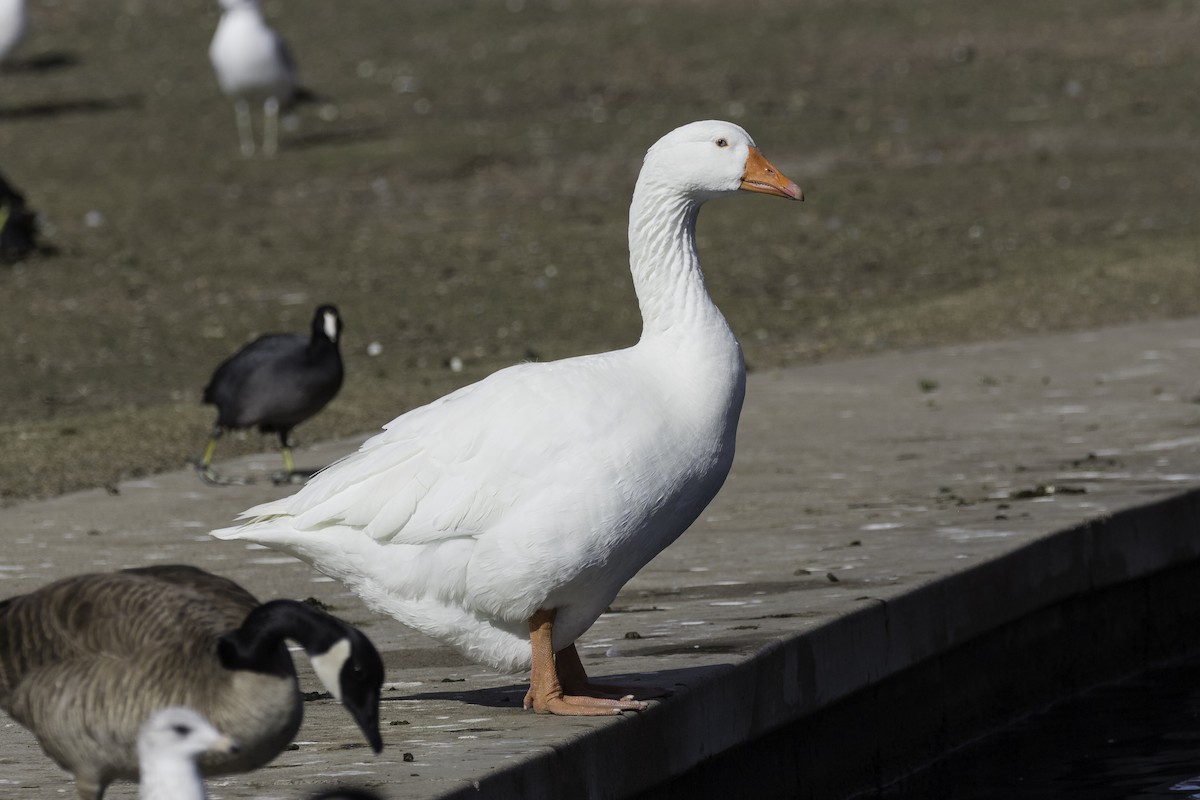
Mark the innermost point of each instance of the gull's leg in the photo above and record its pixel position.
(245, 129)
(270, 126)
(545, 694)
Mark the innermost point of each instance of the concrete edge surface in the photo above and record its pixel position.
(1066, 605)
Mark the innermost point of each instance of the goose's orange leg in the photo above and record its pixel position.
(575, 680)
(546, 695)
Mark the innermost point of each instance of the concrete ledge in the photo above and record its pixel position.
(860, 701)
(891, 721)
(912, 548)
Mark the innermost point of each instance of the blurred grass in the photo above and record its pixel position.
(973, 170)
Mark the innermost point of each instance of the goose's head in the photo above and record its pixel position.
(352, 671)
(345, 661)
(712, 158)
(180, 734)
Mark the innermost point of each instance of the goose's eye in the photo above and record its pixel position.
(182, 730)
(722, 142)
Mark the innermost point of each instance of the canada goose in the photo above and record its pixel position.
(85, 660)
(505, 517)
(168, 745)
(253, 64)
(276, 382)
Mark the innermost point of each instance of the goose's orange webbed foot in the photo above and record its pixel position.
(575, 680)
(546, 695)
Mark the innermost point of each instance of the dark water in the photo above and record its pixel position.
(1135, 739)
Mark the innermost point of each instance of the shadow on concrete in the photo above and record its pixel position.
(42, 62)
(57, 108)
(673, 681)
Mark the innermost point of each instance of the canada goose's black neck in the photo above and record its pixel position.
(258, 644)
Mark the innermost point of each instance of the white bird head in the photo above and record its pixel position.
(169, 743)
(711, 158)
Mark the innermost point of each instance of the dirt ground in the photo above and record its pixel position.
(973, 170)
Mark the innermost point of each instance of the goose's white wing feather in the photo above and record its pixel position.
(456, 467)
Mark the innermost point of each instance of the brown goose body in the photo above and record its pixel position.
(86, 660)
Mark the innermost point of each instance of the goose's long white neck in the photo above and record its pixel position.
(664, 262)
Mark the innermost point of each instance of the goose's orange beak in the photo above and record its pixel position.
(760, 176)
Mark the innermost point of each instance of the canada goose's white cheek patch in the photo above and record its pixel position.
(328, 666)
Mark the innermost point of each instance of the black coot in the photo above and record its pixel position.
(276, 382)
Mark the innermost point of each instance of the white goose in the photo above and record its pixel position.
(504, 517)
